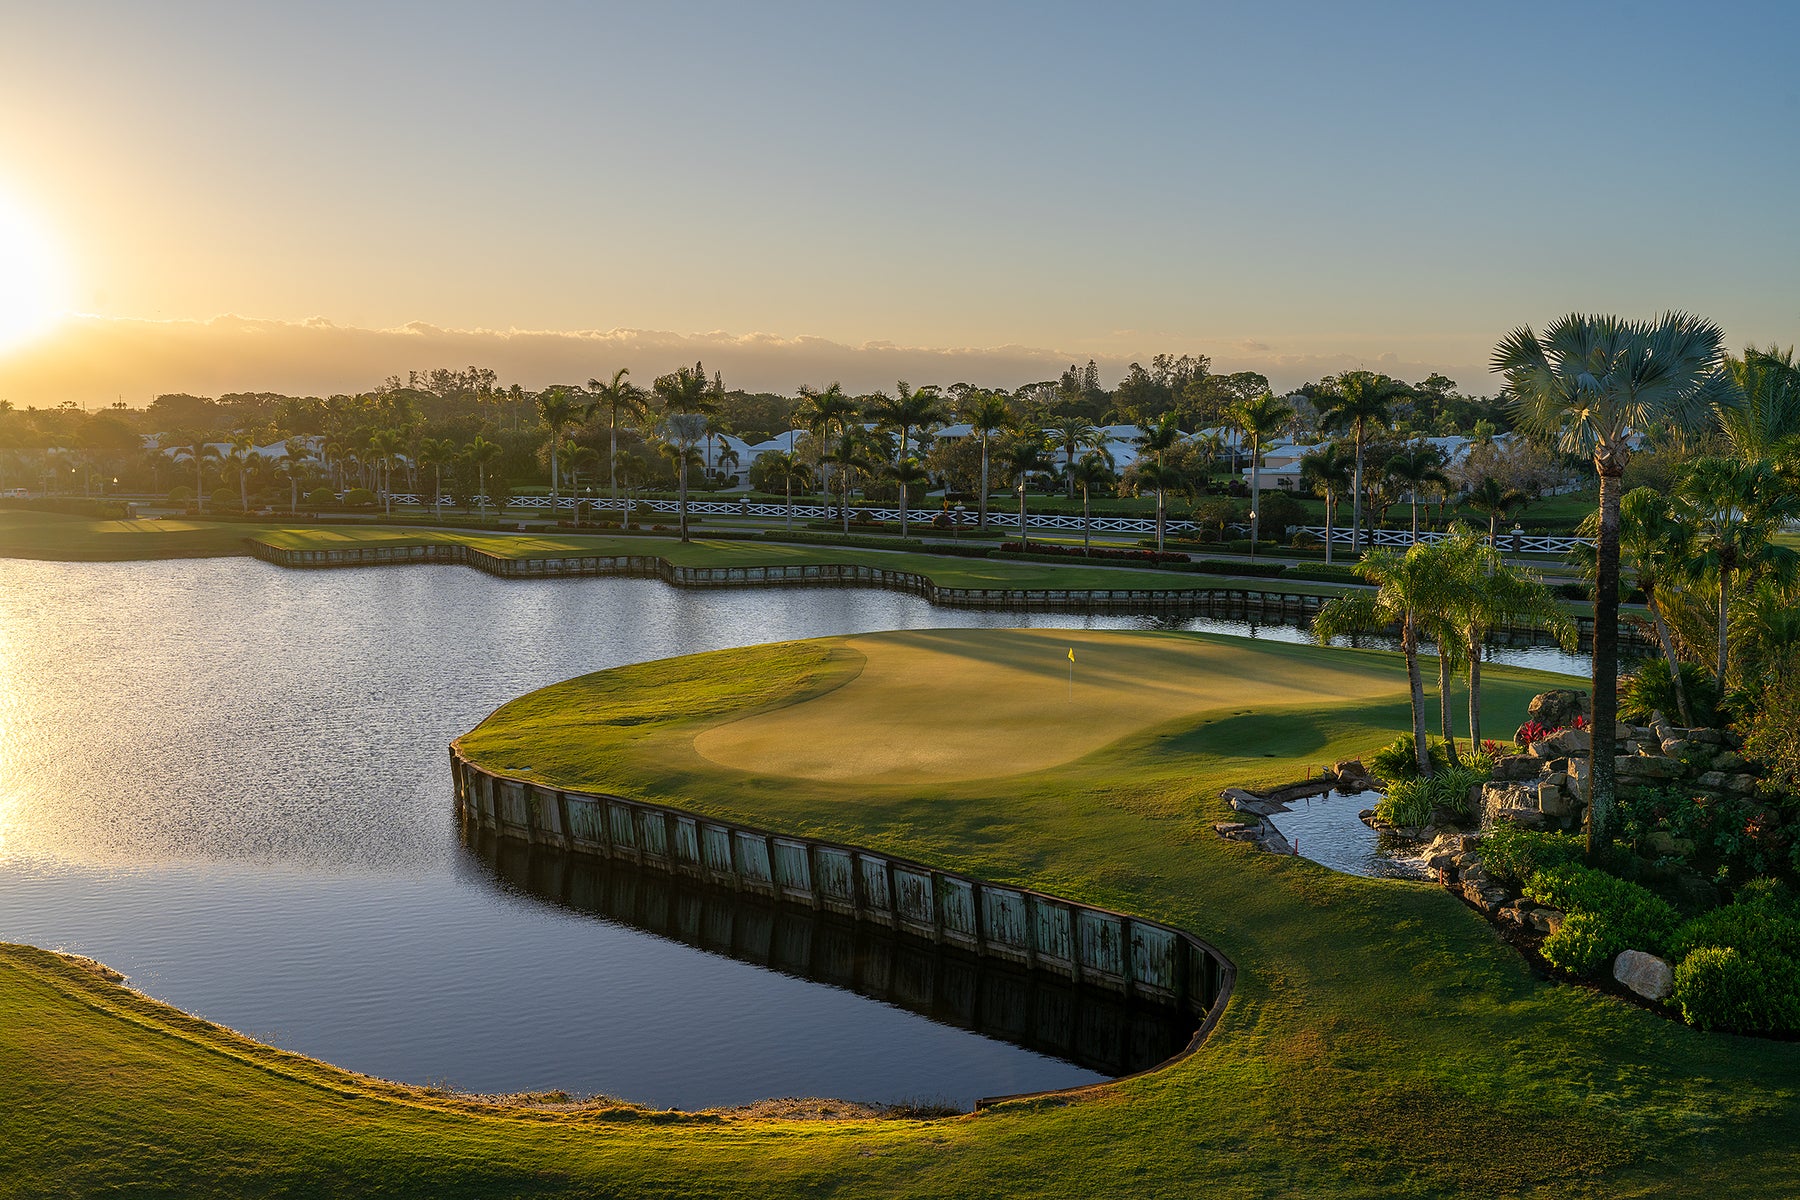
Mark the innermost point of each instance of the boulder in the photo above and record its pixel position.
(1557, 708)
(1553, 801)
(1497, 798)
(1706, 737)
(1676, 747)
(1545, 920)
(1639, 767)
(1729, 761)
(1352, 776)
(1645, 974)
(1515, 768)
(1569, 742)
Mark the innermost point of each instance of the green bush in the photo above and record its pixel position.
(1755, 928)
(223, 498)
(1584, 944)
(1650, 689)
(1397, 761)
(1719, 987)
(1335, 573)
(1216, 566)
(1627, 916)
(1412, 801)
(321, 498)
(181, 495)
(1514, 853)
(359, 498)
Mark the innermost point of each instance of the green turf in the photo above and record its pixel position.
(1381, 1041)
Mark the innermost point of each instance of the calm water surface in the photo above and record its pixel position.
(229, 781)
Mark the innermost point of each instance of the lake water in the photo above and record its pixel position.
(230, 782)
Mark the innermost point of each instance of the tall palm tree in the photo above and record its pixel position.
(1590, 383)
(434, 453)
(481, 452)
(1498, 501)
(294, 468)
(1155, 443)
(558, 408)
(851, 451)
(384, 444)
(630, 468)
(1409, 590)
(1655, 551)
(1021, 456)
(906, 410)
(824, 413)
(1483, 593)
(987, 413)
(1072, 432)
(1361, 401)
(688, 397)
(1763, 418)
(786, 469)
(907, 473)
(1412, 469)
(619, 397)
(1735, 509)
(198, 451)
(1094, 470)
(1327, 472)
(1259, 419)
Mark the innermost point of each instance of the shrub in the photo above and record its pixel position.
(1627, 916)
(1412, 801)
(181, 495)
(1306, 541)
(1719, 987)
(1396, 760)
(1734, 836)
(1214, 566)
(1583, 944)
(225, 497)
(359, 498)
(1058, 550)
(1514, 853)
(321, 498)
(1651, 689)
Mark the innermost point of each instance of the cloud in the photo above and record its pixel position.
(97, 360)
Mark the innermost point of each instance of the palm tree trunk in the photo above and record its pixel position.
(1474, 693)
(1024, 538)
(1087, 525)
(984, 480)
(790, 504)
(903, 509)
(437, 489)
(481, 482)
(1724, 621)
(1602, 773)
(612, 457)
(1445, 679)
(1159, 516)
(1415, 516)
(1330, 504)
(1668, 649)
(1409, 645)
(1356, 497)
(1255, 495)
(553, 471)
(681, 478)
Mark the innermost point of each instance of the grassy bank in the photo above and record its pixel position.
(62, 538)
(1381, 1041)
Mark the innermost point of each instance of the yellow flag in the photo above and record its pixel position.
(1071, 654)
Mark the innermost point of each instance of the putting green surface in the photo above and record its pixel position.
(956, 704)
(1380, 1041)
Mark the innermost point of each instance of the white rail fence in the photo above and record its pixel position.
(1510, 543)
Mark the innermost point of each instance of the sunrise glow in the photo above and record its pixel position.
(33, 286)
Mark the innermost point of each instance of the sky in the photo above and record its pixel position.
(309, 198)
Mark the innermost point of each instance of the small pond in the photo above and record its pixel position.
(1330, 830)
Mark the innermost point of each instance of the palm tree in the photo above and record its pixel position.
(1656, 549)
(1412, 469)
(557, 408)
(197, 450)
(618, 397)
(1327, 472)
(1021, 456)
(1763, 418)
(630, 467)
(786, 469)
(385, 444)
(434, 453)
(824, 413)
(1494, 498)
(907, 472)
(1094, 470)
(294, 468)
(576, 458)
(1408, 593)
(481, 452)
(987, 413)
(1360, 401)
(1483, 593)
(687, 397)
(1590, 383)
(907, 409)
(240, 460)
(1259, 419)
(1154, 443)
(1074, 432)
(1735, 509)
(851, 451)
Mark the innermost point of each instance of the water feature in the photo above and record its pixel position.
(229, 781)
(1327, 829)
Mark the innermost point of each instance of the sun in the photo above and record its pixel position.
(32, 282)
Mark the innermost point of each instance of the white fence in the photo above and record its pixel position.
(1510, 543)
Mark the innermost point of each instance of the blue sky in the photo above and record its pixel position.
(1292, 184)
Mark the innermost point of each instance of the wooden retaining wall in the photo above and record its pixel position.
(1093, 947)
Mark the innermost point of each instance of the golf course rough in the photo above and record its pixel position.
(1379, 1040)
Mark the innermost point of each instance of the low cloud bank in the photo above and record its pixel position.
(98, 360)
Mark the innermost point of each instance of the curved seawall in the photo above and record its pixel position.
(1139, 960)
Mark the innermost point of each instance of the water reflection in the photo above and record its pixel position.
(1086, 1027)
